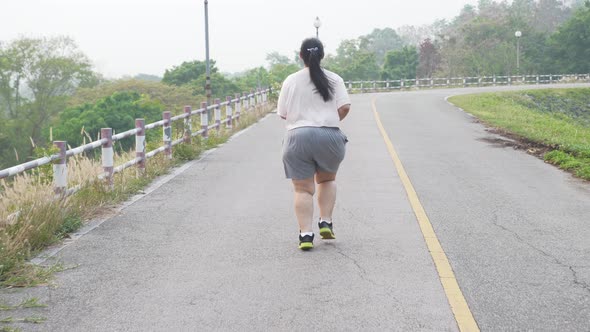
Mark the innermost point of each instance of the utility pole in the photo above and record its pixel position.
(208, 77)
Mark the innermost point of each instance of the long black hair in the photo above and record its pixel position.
(312, 53)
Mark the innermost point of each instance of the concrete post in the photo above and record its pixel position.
(204, 120)
(237, 105)
(188, 125)
(60, 169)
(108, 156)
(218, 114)
(167, 134)
(140, 146)
(229, 113)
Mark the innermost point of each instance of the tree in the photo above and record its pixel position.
(281, 67)
(577, 4)
(549, 15)
(256, 77)
(414, 35)
(172, 97)
(380, 42)
(220, 86)
(279, 72)
(534, 52)
(401, 64)
(429, 59)
(353, 63)
(297, 59)
(187, 72)
(6, 160)
(570, 45)
(36, 76)
(274, 58)
(44, 68)
(147, 77)
(194, 73)
(117, 111)
(521, 12)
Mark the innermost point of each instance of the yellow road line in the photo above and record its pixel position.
(459, 306)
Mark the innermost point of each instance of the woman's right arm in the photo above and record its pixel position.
(343, 111)
(342, 98)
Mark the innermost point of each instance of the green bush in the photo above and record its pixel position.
(186, 152)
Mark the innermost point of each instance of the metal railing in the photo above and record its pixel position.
(453, 82)
(233, 109)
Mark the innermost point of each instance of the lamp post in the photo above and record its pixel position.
(208, 77)
(447, 38)
(317, 24)
(518, 34)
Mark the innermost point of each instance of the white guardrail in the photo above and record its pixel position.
(233, 108)
(453, 82)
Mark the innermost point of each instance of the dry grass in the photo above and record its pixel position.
(33, 217)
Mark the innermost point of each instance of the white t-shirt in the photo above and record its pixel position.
(302, 106)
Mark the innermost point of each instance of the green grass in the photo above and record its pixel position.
(9, 329)
(556, 118)
(25, 304)
(32, 319)
(31, 220)
(572, 103)
(23, 274)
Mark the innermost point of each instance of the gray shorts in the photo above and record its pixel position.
(307, 150)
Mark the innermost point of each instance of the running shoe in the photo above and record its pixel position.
(326, 230)
(306, 242)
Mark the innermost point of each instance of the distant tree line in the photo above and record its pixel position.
(479, 41)
(48, 90)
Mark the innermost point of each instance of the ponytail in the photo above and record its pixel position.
(312, 53)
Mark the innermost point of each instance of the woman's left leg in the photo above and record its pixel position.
(326, 201)
(326, 194)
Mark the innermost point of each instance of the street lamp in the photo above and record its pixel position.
(447, 39)
(518, 34)
(317, 24)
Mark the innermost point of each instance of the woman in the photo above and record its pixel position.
(313, 101)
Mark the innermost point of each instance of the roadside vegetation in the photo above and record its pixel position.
(31, 218)
(49, 91)
(556, 119)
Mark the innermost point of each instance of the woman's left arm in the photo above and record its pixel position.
(282, 102)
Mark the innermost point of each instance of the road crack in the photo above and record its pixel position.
(362, 271)
(383, 289)
(576, 280)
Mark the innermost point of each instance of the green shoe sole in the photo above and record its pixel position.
(306, 245)
(327, 234)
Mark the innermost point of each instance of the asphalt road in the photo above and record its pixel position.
(215, 248)
(516, 230)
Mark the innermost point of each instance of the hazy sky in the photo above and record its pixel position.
(127, 37)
